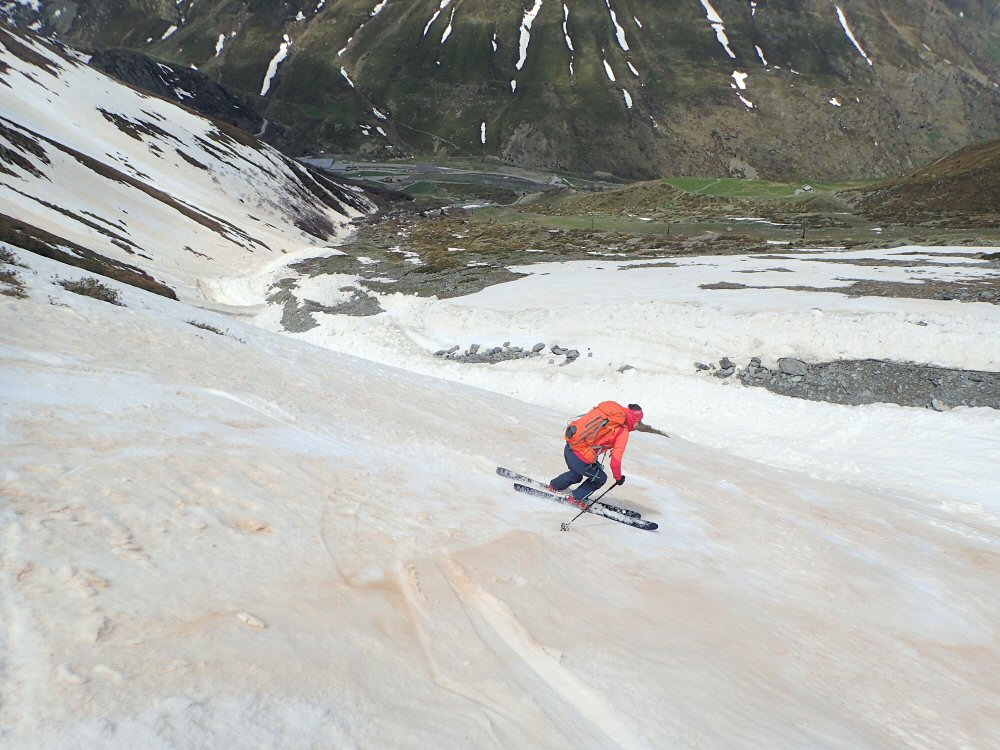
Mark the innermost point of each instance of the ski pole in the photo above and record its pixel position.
(565, 526)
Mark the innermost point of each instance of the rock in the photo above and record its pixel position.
(537, 347)
(755, 362)
(506, 343)
(702, 366)
(939, 405)
(625, 368)
(572, 354)
(725, 363)
(440, 353)
(452, 350)
(725, 372)
(790, 366)
(558, 350)
(474, 348)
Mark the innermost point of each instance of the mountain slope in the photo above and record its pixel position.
(126, 180)
(778, 89)
(961, 189)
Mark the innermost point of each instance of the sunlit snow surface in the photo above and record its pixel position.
(248, 540)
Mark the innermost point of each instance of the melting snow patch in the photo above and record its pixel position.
(378, 8)
(168, 32)
(447, 31)
(381, 132)
(760, 54)
(835, 102)
(850, 34)
(529, 18)
(494, 41)
(609, 71)
(741, 80)
(747, 102)
(619, 31)
(637, 22)
(300, 16)
(628, 99)
(632, 68)
(347, 77)
(565, 27)
(219, 44)
(482, 133)
(513, 85)
(378, 114)
(720, 30)
(272, 68)
(444, 4)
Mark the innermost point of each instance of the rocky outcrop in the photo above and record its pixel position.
(869, 381)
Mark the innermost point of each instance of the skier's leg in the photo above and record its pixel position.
(596, 477)
(575, 473)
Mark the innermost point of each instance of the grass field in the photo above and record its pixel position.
(734, 187)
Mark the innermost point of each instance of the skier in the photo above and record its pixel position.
(604, 428)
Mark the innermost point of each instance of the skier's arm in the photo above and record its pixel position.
(617, 453)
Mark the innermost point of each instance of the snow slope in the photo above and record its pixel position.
(660, 319)
(215, 542)
(141, 180)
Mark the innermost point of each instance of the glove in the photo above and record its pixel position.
(620, 482)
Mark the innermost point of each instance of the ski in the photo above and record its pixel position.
(528, 481)
(596, 509)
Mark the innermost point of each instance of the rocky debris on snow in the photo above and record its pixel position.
(869, 381)
(297, 315)
(789, 366)
(477, 354)
(625, 368)
(726, 368)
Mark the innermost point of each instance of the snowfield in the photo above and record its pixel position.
(249, 540)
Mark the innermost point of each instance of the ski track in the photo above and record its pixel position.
(543, 661)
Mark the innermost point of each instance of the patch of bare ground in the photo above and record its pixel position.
(978, 290)
(35, 240)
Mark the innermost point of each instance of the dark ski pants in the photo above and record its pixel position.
(578, 469)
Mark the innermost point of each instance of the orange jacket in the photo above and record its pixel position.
(615, 441)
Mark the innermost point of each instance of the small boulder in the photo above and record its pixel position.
(725, 363)
(625, 368)
(453, 349)
(537, 347)
(572, 354)
(725, 372)
(474, 348)
(790, 366)
(702, 366)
